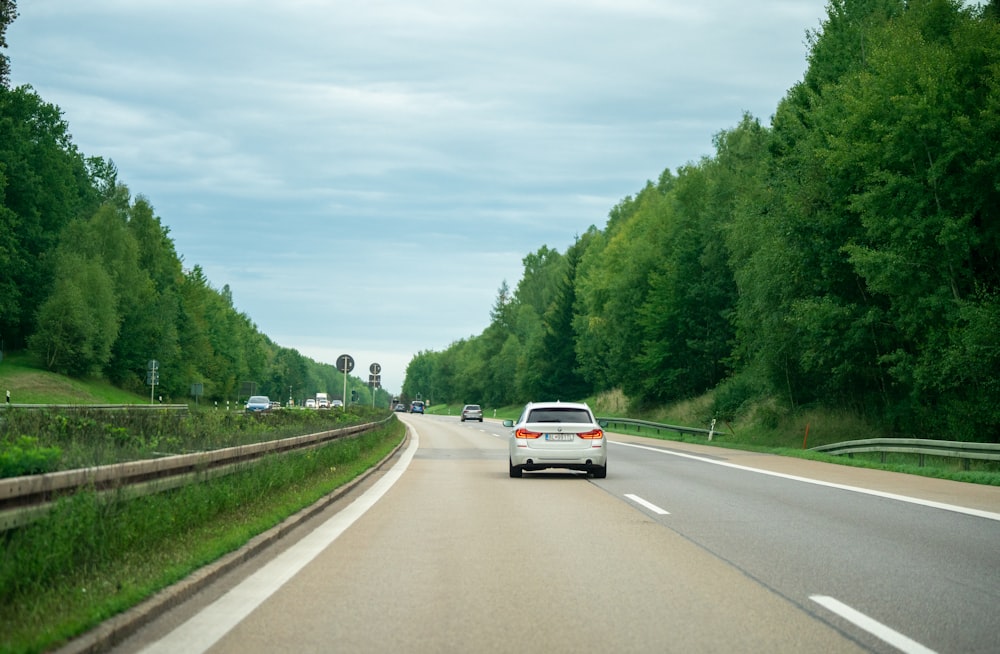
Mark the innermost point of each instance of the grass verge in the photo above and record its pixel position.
(978, 472)
(35, 441)
(28, 383)
(95, 557)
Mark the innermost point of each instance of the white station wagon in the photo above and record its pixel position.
(557, 435)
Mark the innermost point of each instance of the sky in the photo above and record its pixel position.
(364, 175)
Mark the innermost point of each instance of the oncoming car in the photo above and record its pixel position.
(472, 412)
(557, 435)
(258, 404)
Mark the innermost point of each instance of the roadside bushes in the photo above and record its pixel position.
(24, 456)
(733, 396)
(95, 555)
(36, 441)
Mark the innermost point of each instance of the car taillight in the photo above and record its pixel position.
(596, 433)
(524, 433)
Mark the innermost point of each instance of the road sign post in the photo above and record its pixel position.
(374, 379)
(152, 377)
(345, 364)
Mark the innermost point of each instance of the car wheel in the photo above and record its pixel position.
(463, 419)
(515, 471)
(599, 472)
(480, 420)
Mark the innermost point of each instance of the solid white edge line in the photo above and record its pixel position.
(874, 627)
(649, 505)
(855, 489)
(209, 626)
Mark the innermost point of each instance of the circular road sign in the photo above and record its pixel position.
(345, 363)
(375, 369)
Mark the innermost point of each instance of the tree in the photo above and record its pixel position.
(500, 313)
(287, 373)
(804, 324)
(419, 378)
(43, 185)
(872, 230)
(8, 12)
(684, 320)
(77, 323)
(921, 127)
(613, 280)
(540, 279)
(11, 261)
(150, 329)
(555, 365)
(843, 44)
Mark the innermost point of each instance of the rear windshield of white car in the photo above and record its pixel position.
(559, 415)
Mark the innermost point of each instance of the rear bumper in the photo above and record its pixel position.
(528, 458)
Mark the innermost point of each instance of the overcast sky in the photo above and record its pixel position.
(365, 175)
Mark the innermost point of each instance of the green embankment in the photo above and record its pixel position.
(29, 384)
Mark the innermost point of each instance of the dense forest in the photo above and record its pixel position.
(91, 284)
(845, 256)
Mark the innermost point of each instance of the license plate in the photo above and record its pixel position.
(559, 437)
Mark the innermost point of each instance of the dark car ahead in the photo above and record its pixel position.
(416, 406)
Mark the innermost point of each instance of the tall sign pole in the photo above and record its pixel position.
(374, 379)
(345, 364)
(152, 377)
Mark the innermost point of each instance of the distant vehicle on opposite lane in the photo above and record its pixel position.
(258, 404)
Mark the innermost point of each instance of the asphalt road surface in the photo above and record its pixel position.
(682, 548)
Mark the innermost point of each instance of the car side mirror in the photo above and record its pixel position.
(603, 424)
(508, 423)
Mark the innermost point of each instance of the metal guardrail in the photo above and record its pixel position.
(922, 447)
(24, 499)
(658, 427)
(105, 407)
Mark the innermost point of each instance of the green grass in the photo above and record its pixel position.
(766, 429)
(85, 437)
(29, 384)
(95, 557)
